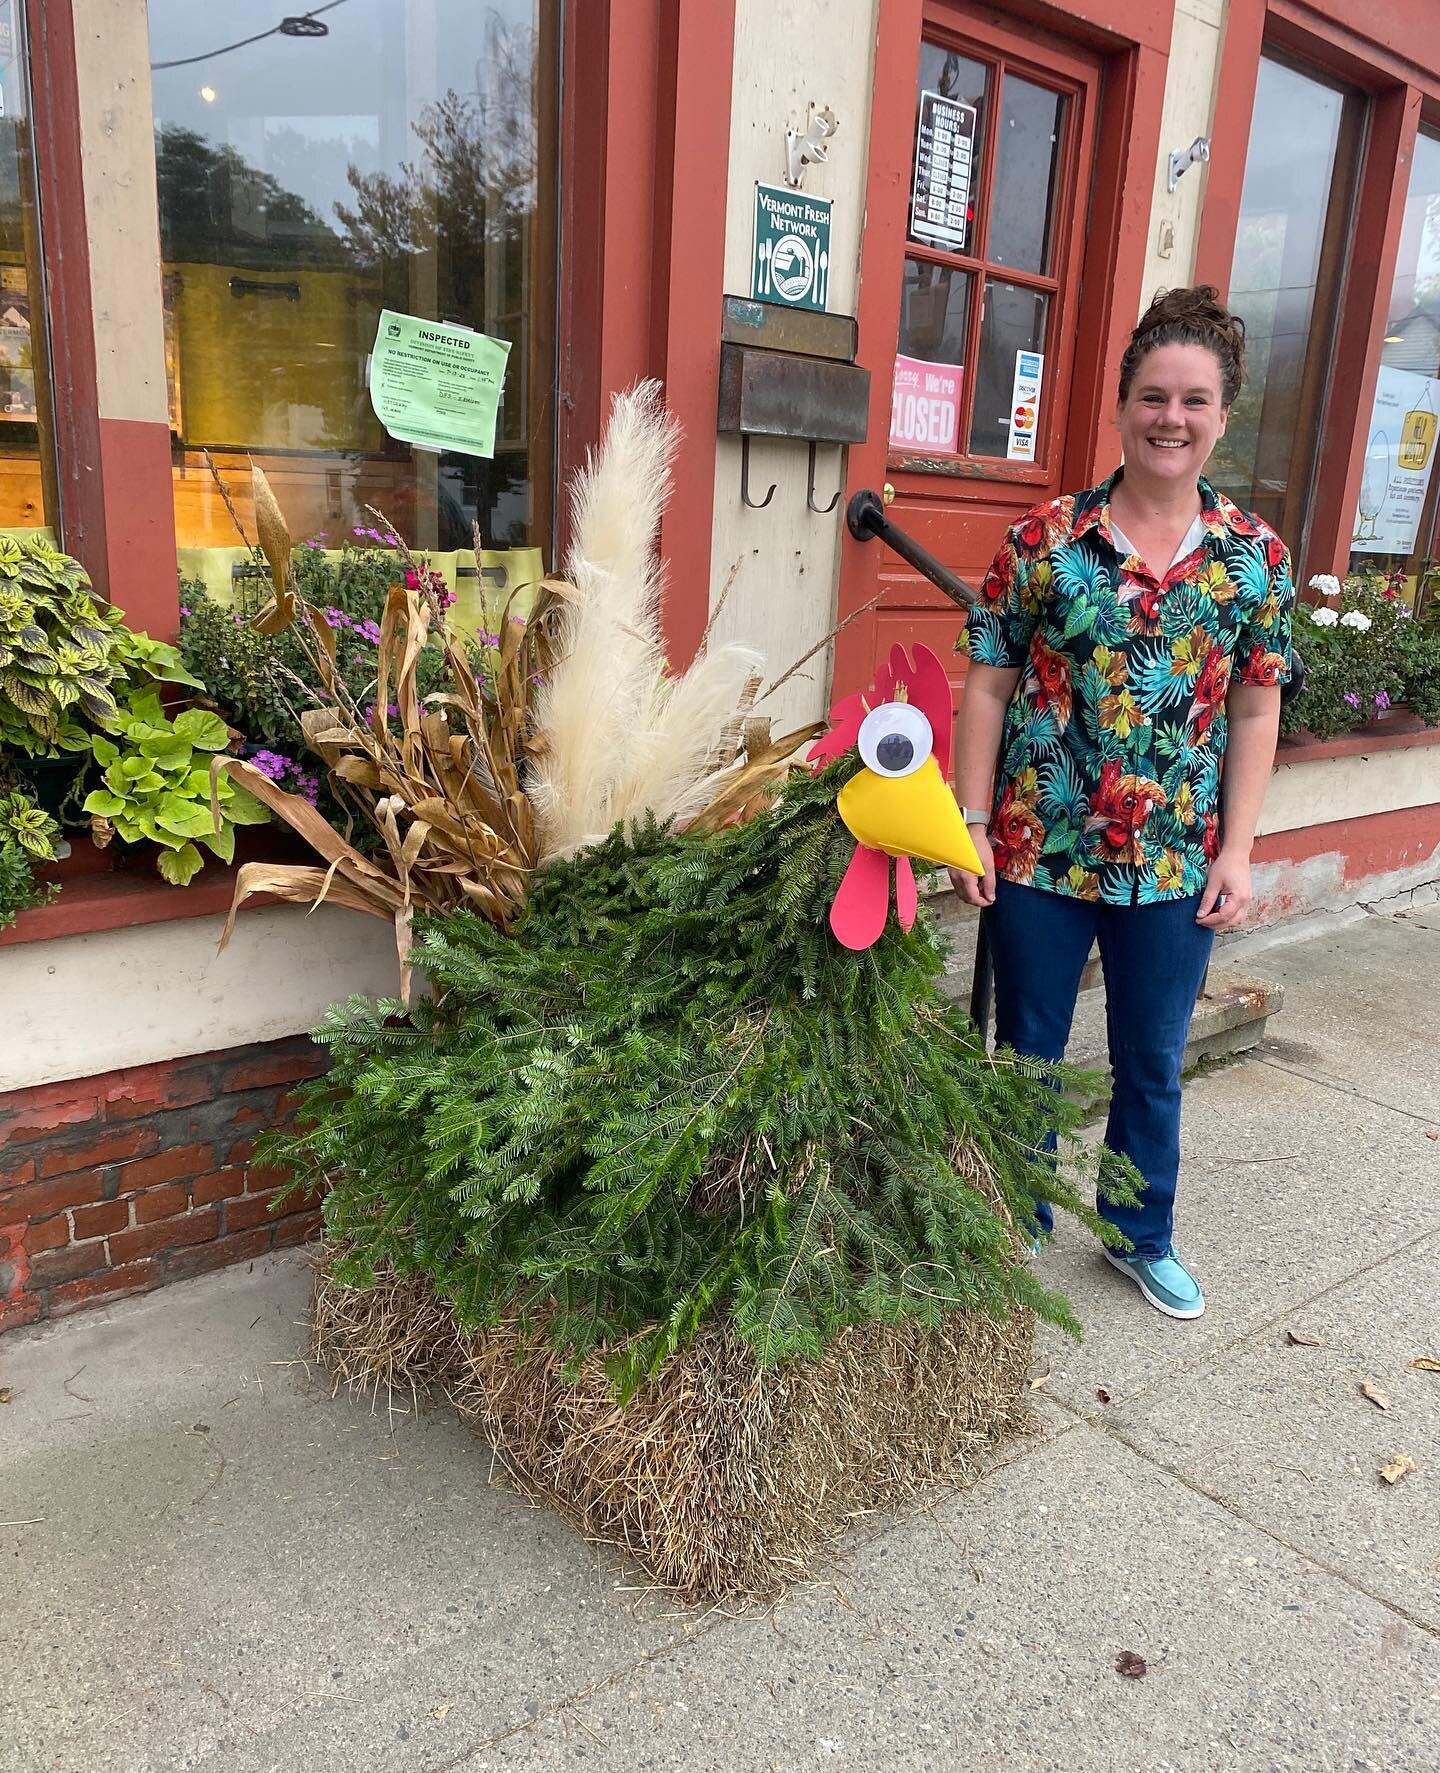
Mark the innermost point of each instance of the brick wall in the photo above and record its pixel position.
(115, 1184)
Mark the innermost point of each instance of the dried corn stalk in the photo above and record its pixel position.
(441, 786)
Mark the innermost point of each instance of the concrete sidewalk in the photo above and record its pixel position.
(211, 1563)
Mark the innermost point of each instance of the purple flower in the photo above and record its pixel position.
(184, 611)
(1351, 698)
(369, 631)
(336, 617)
(239, 621)
(361, 532)
(1382, 700)
(271, 764)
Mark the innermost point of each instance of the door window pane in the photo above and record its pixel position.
(930, 369)
(1398, 490)
(1012, 320)
(934, 312)
(955, 159)
(405, 159)
(1027, 164)
(1289, 258)
(27, 482)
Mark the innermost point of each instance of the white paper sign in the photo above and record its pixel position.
(1025, 406)
(1399, 461)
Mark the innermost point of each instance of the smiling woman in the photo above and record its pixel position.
(1126, 657)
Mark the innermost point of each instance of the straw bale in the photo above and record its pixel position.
(720, 1479)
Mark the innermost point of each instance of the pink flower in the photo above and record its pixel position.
(1382, 700)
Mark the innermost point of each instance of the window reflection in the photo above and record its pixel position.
(1026, 169)
(1400, 486)
(1289, 259)
(27, 483)
(1013, 320)
(404, 160)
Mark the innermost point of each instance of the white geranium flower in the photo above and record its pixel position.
(1326, 584)
(1354, 618)
(1324, 618)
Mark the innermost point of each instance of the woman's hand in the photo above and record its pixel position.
(972, 890)
(1227, 881)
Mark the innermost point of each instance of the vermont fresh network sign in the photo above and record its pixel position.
(792, 248)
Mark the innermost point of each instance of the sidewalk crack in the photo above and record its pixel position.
(1429, 1627)
(1341, 1089)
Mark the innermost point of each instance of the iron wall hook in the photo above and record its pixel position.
(820, 510)
(754, 504)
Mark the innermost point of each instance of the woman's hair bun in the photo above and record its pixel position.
(1189, 317)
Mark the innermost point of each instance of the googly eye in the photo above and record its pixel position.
(895, 739)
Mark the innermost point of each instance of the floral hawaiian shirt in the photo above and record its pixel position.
(1110, 760)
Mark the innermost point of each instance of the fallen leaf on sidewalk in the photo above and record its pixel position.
(4, 1394)
(1398, 1467)
(1375, 1395)
(1129, 1664)
(1102, 1394)
(1426, 1363)
(1303, 1339)
(439, 1712)
(1038, 1380)
(1430, 1133)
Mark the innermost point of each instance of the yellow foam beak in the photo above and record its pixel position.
(909, 816)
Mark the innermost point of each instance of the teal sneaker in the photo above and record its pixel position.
(1164, 1280)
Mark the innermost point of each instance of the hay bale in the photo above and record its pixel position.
(722, 1480)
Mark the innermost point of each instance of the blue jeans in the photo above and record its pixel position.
(1154, 958)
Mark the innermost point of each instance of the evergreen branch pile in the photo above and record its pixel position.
(668, 1097)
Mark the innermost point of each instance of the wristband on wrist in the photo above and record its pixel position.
(971, 817)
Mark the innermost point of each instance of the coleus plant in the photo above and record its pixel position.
(156, 787)
(65, 655)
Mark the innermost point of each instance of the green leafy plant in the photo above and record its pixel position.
(1364, 653)
(65, 656)
(27, 841)
(265, 683)
(156, 787)
(668, 1097)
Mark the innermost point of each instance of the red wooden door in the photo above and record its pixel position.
(981, 162)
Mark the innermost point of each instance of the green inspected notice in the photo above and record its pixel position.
(437, 385)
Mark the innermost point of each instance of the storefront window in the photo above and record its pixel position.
(1395, 521)
(27, 479)
(380, 154)
(1289, 263)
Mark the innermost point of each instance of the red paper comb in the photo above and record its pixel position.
(922, 682)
